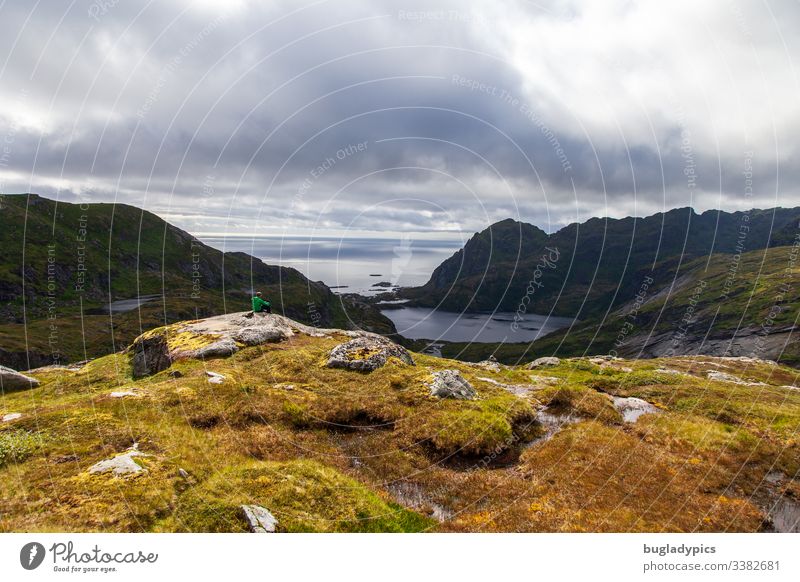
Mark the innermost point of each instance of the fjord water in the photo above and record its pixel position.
(354, 265)
(348, 265)
(432, 324)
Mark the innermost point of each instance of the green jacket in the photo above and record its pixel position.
(259, 304)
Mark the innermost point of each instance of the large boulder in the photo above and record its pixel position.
(11, 380)
(451, 384)
(367, 353)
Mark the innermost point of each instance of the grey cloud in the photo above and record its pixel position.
(173, 101)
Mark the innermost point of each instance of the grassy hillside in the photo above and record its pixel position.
(337, 450)
(61, 263)
(748, 306)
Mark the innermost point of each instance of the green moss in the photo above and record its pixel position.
(305, 496)
(649, 378)
(297, 414)
(321, 448)
(581, 400)
(472, 428)
(17, 445)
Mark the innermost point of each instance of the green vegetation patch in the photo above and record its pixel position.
(17, 445)
(304, 496)
(583, 401)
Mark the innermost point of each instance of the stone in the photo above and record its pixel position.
(725, 377)
(150, 355)
(451, 384)
(12, 416)
(259, 520)
(491, 364)
(184, 474)
(546, 380)
(544, 362)
(122, 465)
(11, 380)
(520, 390)
(219, 349)
(122, 394)
(632, 408)
(175, 374)
(214, 378)
(367, 353)
(255, 336)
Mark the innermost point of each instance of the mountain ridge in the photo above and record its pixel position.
(601, 261)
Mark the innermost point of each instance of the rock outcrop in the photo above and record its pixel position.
(545, 362)
(451, 384)
(221, 349)
(218, 337)
(253, 336)
(11, 380)
(367, 353)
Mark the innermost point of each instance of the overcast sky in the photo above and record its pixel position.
(222, 119)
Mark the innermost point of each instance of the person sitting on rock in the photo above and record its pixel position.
(261, 306)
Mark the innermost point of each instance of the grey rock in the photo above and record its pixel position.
(219, 349)
(254, 336)
(175, 374)
(544, 362)
(150, 356)
(122, 394)
(451, 384)
(546, 380)
(214, 378)
(725, 377)
(367, 353)
(259, 520)
(11, 380)
(121, 465)
(491, 365)
(520, 390)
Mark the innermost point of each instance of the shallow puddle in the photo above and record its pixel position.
(413, 496)
(553, 421)
(785, 515)
(632, 408)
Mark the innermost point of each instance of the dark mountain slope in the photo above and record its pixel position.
(601, 263)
